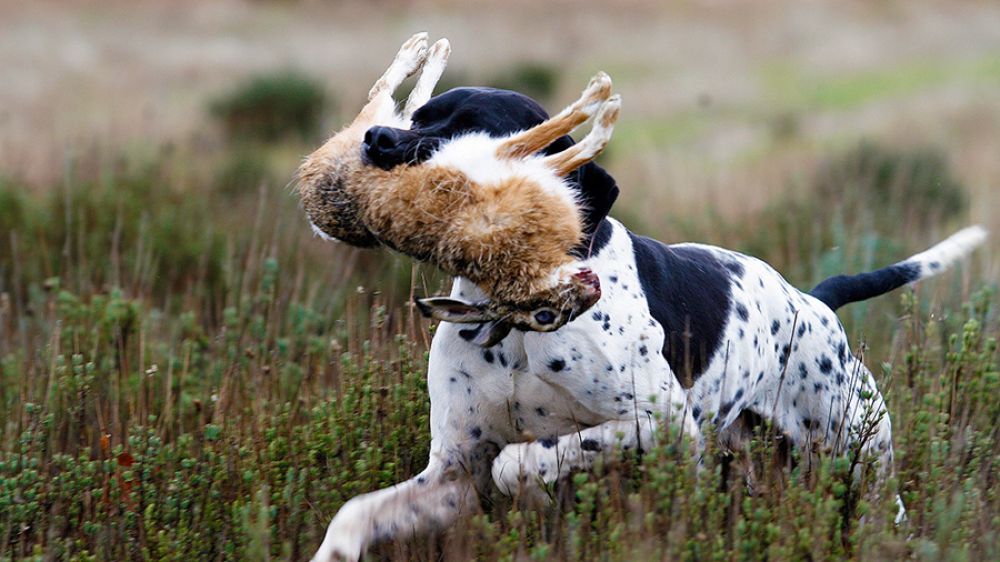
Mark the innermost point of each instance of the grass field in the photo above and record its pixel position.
(187, 374)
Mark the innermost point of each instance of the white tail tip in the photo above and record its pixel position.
(948, 251)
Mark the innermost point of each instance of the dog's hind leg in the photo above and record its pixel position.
(538, 137)
(592, 145)
(437, 59)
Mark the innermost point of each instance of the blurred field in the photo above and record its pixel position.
(187, 373)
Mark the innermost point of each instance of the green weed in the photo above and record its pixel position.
(191, 377)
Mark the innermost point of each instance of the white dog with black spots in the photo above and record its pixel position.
(685, 334)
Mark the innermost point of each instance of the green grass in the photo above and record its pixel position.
(186, 374)
(794, 87)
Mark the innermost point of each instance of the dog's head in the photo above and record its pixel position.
(498, 113)
(493, 111)
(538, 197)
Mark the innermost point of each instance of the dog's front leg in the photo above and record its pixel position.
(433, 499)
(522, 467)
(469, 426)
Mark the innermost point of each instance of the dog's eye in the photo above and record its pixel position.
(545, 316)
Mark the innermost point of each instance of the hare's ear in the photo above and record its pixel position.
(458, 311)
(488, 334)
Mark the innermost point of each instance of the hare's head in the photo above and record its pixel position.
(547, 312)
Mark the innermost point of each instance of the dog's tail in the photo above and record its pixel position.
(839, 290)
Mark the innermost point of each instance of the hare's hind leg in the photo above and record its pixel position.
(437, 59)
(381, 106)
(409, 59)
(538, 137)
(592, 145)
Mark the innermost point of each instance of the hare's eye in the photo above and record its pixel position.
(545, 316)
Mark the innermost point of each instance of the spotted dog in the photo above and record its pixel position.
(686, 334)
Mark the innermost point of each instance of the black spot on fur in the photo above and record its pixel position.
(643, 350)
(469, 334)
(696, 412)
(724, 409)
(549, 442)
(825, 365)
(775, 326)
(488, 356)
(590, 445)
(557, 365)
(742, 312)
(688, 292)
(476, 432)
(735, 267)
(783, 358)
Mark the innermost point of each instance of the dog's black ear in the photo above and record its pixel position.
(598, 190)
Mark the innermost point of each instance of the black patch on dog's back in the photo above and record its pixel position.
(688, 292)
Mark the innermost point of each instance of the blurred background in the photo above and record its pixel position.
(153, 255)
(738, 120)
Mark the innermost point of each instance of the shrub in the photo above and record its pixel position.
(901, 187)
(534, 79)
(245, 169)
(270, 107)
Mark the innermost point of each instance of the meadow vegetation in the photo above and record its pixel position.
(186, 373)
(186, 378)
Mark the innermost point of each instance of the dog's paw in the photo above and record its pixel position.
(520, 472)
(344, 538)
